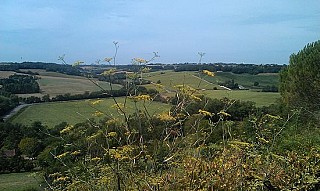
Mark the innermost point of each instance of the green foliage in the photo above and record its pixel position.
(300, 81)
(29, 146)
(230, 84)
(20, 84)
(7, 102)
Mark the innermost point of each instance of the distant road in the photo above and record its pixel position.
(14, 111)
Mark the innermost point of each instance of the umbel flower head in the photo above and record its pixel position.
(143, 97)
(208, 73)
(205, 113)
(139, 61)
(77, 63)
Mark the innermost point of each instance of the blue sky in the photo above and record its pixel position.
(241, 31)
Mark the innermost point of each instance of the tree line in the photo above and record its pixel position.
(20, 84)
(49, 67)
(234, 68)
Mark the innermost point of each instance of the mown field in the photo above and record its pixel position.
(54, 84)
(73, 112)
(6, 74)
(19, 182)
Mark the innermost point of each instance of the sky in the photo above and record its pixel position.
(230, 31)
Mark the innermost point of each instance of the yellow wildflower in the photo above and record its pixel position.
(67, 129)
(223, 113)
(263, 140)
(95, 159)
(56, 174)
(127, 148)
(118, 106)
(97, 114)
(166, 117)
(205, 113)
(112, 134)
(139, 61)
(62, 155)
(76, 152)
(77, 63)
(273, 116)
(208, 73)
(61, 179)
(143, 97)
(96, 102)
(109, 72)
(195, 98)
(185, 89)
(145, 70)
(94, 136)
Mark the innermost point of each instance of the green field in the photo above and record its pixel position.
(19, 182)
(73, 112)
(54, 84)
(169, 79)
(260, 98)
(246, 80)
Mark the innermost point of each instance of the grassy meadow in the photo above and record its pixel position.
(19, 182)
(51, 114)
(54, 84)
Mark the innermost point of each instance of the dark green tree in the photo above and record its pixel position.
(300, 81)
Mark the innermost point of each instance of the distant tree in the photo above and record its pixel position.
(29, 146)
(300, 81)
(46, 98)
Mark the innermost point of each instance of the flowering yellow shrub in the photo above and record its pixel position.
(68, 128)
(166, 116)
(143, 97)
(96, 102)
(139, 60)
(208, 73)
(97, 114)
(205, 113)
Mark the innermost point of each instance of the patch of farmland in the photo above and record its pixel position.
(169, 79)
(53, 113)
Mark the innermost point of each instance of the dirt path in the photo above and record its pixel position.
(14, 111)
